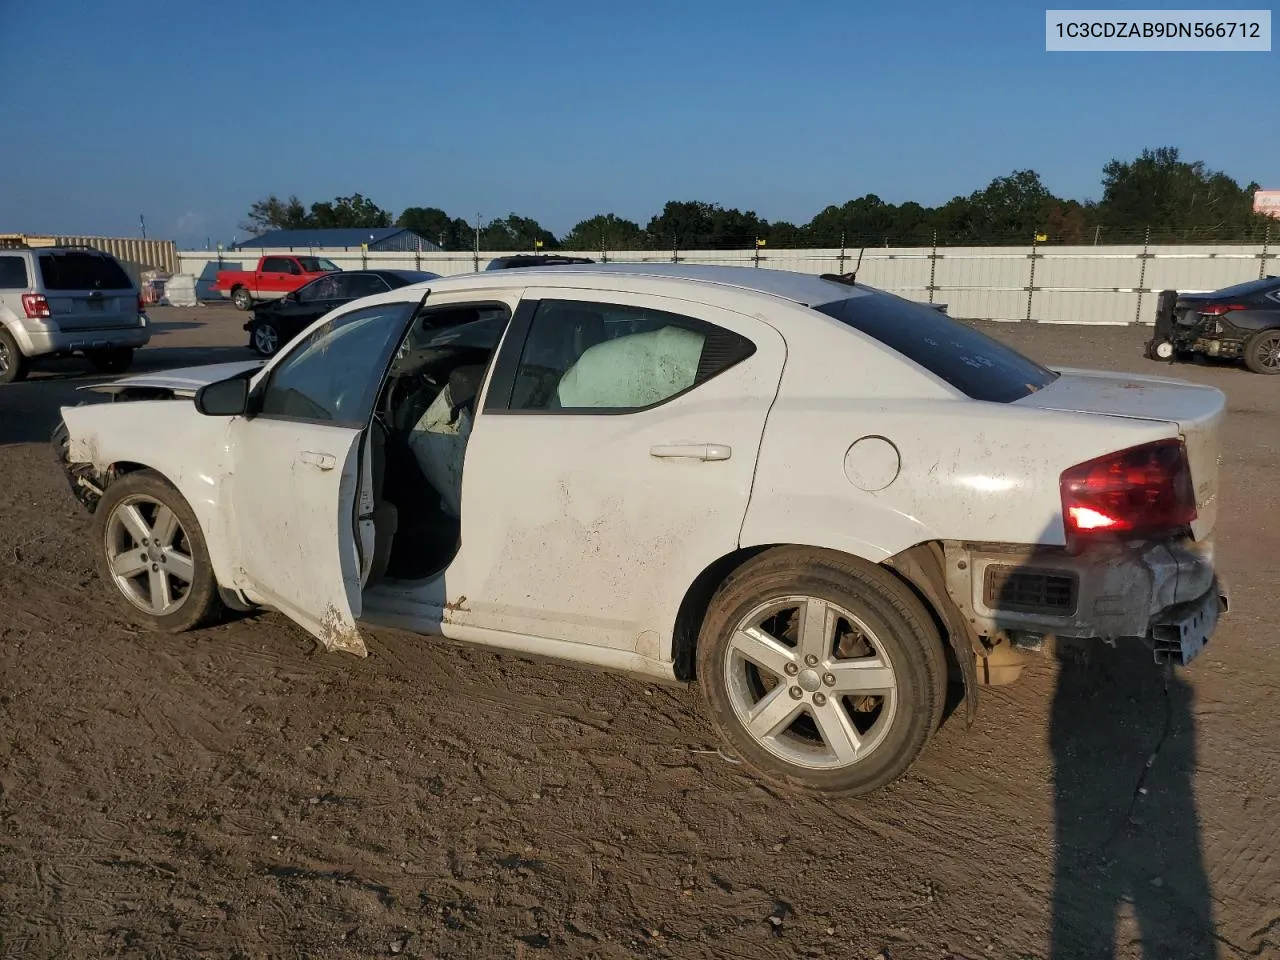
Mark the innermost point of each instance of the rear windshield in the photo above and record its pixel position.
(317, 264)
(82, 271)
(1249, 288)
(975, 364)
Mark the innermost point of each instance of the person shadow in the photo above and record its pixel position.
(1129, 872)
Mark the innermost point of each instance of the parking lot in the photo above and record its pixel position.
(238, 792)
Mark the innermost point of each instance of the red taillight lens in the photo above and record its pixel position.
(142, 304)
(35, 305)
(1219, 309)
(1136, 492)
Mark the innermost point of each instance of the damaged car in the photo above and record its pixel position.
(1240, 322)
(817, 501)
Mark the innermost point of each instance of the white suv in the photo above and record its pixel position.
(56, 301)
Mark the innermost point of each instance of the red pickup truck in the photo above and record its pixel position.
(275, 276)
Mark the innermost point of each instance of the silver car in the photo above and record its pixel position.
(56, 301)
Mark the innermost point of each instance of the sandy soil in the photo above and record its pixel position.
(236, 793)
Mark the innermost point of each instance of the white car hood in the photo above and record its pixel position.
(184, 382)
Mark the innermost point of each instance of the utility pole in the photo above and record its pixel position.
(143, 221)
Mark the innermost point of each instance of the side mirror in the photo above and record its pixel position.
(226, 398)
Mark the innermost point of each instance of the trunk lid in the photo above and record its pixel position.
(87, 290)
(1186, 310)
(1196, 410)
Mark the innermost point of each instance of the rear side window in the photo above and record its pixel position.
(82, 271)
(977, 365)
(276, 265)
(581, 355)
(13, 273)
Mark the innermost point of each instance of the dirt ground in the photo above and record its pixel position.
(236, 793)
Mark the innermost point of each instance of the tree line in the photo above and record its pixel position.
(1175, 199)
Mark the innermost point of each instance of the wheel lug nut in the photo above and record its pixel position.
(796, 693)
(163, 558)
(811, 660)
(155, 567)
(791, 669)
(819, 699)
(829, 679)
(145, 541)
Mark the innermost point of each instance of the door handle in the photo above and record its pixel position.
(691, 451)
(322, 461)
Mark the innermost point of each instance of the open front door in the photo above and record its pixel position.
(302, 501)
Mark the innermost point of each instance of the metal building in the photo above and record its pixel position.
(380, 239)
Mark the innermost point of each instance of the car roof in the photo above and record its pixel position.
(802, 288)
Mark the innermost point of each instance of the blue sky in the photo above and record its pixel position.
(188, 112)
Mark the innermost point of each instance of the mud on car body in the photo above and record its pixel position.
(816, 500)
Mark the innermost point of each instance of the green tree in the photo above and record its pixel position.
(275, 214)
(604, 231)
(353, 211)
(515, 233)
(1176, 199)
(694, 225)
(432, 223)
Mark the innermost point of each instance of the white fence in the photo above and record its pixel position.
(1048, 284)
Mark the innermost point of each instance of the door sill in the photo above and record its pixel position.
(420, 608)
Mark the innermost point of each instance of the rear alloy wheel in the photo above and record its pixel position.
(825, 673)
(13, 365)
(116, 360)
(1262, 352)
(152, 549)
(242, 299)
(265, 338)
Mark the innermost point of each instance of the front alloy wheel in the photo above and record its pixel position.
(153, 551)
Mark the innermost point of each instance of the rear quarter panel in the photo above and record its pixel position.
(965, 469)
(172, 438)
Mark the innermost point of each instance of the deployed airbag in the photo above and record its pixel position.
(636, 370)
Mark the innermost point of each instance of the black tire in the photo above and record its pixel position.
(242, 298)
(265, 338)
(115, 360)
(200, 603)
(13, 365)
(1157, 346)
(1262, 352)
(908, 640)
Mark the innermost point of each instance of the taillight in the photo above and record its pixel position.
(36, 306)
(1218, 309)
(142, 304)
(1137, 492)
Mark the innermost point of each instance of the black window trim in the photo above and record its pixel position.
(502, 388)
(259, 392)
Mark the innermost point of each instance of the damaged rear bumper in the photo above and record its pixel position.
(1164, 593)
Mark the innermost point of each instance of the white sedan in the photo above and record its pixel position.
(815, 499)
